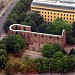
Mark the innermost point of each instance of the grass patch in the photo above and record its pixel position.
(12, 59)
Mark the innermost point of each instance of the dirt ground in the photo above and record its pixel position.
(68, 47)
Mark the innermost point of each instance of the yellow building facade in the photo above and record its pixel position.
(52, 10)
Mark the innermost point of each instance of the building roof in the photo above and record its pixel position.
(55, 3)
(56, 0)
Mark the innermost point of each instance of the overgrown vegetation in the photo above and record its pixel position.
(26, 65)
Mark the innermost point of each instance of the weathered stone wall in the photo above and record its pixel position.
(37, 40)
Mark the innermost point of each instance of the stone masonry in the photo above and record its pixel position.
(37, 40)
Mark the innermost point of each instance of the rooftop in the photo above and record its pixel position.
(70, 1)
(61, 3)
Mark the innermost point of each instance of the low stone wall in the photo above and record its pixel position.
(37, 40)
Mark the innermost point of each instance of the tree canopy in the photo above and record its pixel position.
(14, 42)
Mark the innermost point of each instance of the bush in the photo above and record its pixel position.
(3, 52)
(71, 40)
(48, 50)
(17, 66)
(58, 54)
(42, 64)
(17, 48)
(3, 61)
(56, 65)
(9, 69)
(63, 64)
(72, 51)
(3, 46)
(27, 65)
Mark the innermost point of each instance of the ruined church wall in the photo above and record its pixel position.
(37, 40)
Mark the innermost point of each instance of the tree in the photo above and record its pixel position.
(3, 52)
(65, 65)
(59, 26)
(27, 19)
(12, 41)
(73, 28)
(56, 65)
(3, 46)
(22, 17)
(33, 25)
(3, 61)
(26, 2)
(42, 64)
(21, 41)
(42, 28)
(48, 50)
(57, 47)
(45, 64)
(7, 23)
(19, 6)
(71, 39)
(58, 55)
(71, 63)
(17, 48)
(72, 51)
(24, 23)
(3, 41)
(36, 18)
(14, 17)
(49, 29)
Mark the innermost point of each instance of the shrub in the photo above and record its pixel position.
(42, 64)
(48, 50)
(3, 46)
(9, 69)
(3, 52)
(72, 51)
